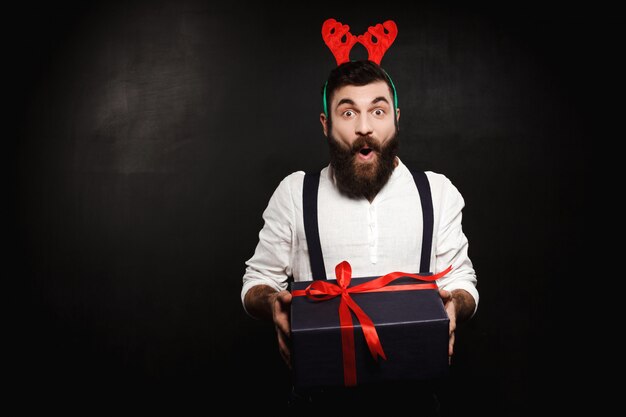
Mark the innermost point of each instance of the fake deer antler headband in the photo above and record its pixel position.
(376, 40)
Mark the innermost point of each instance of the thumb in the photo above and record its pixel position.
(445, 295)
(284, 298)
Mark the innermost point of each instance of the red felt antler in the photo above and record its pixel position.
(384, 39)
(385, 34)
(332, 32)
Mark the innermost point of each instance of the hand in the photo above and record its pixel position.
(280, 304)
(449, 305)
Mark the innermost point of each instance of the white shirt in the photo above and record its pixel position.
(375, 238)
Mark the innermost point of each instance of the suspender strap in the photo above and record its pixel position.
(311, 228)
(423, 188)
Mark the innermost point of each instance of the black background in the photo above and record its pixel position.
(149, 137)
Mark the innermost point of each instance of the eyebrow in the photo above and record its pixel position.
(351, 102)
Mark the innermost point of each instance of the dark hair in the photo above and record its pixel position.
(354, 73)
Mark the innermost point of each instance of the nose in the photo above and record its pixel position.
(363, 126)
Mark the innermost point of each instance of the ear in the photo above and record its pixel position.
(324, 122)
(398, 115)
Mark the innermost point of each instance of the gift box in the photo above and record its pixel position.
(409, 321)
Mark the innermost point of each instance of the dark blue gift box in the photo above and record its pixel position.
(412, 326)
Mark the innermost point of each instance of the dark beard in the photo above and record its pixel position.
(358, 180)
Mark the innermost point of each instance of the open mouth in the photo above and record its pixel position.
(366, 154)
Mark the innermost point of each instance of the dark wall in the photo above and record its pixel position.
(150, 137)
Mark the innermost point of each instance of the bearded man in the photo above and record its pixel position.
(369, 210)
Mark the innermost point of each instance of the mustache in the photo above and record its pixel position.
(362, 141)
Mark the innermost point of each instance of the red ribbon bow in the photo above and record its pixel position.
(324, 290)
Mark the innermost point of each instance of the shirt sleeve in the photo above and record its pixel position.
(452, 245)
(271, 263)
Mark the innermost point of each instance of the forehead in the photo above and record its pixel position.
(363, 94)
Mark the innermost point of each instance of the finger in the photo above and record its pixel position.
(451, 345)
(285, 357)
(283, 347)
(282, 324)
(284, 297)
(445, 295)
(281, 312)
(451, 312)
(452, 326)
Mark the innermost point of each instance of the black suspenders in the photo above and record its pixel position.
(423, 189)
(311, 228)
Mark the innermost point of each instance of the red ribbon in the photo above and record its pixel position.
(324, 290)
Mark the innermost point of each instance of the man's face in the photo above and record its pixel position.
(362, 138)
(362, 111)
